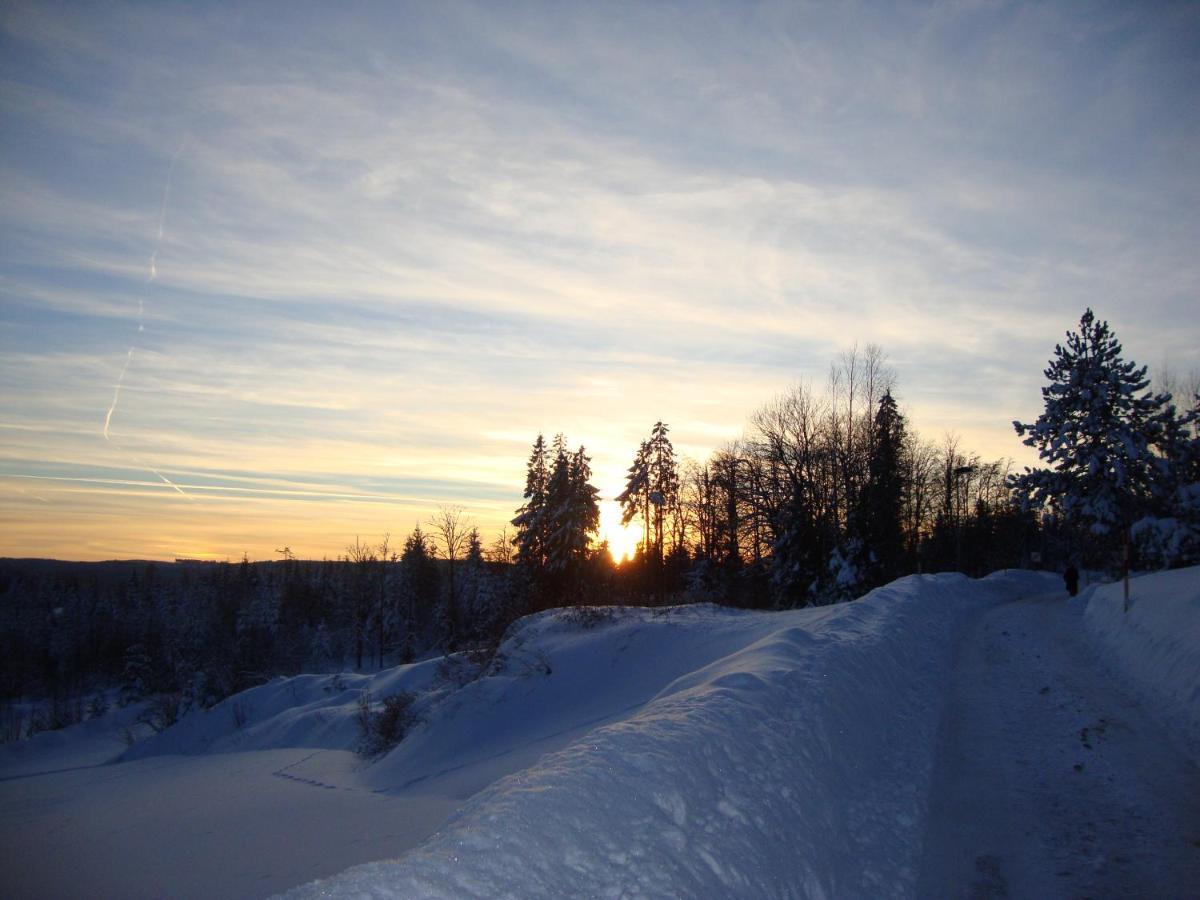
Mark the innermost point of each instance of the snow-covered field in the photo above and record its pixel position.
(693, 751)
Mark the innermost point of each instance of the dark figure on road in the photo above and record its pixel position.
(1071, 577)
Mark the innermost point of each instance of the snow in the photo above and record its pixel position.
(792, 757)
(1154, 647)
(89, 743)
(313, 711)
(1052, 780)
(224, 825)
(694, 751)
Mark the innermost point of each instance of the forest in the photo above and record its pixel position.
(829, 493)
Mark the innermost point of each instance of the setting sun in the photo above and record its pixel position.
(622, 539)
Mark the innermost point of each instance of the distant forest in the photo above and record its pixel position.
(830, 493)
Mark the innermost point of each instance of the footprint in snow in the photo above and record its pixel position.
(990, 883)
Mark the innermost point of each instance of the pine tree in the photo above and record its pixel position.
(530, 520)
(635, 499)
(663, 483)
(882, 500)
(652, 489)
(572, 517)
(418, 590)
(1096, 434)
(580, 516)
(558, 508)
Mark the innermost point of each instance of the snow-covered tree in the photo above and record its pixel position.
(652, 489)
(530, 520)
(574, 510)
(557, 521)
(418, 590)
(1096, 434)
(634, 499)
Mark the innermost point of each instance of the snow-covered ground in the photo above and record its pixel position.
(694, 751)
(793, 759)
(1054, 778)
(1153, 645)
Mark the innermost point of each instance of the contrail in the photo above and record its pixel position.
(117, 392)
(169, 482)
(162, 213)
(162, 219)
(28, 493)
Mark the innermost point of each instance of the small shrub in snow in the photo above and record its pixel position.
(457, 669)
(162, 711)
(11, 723)
(588, 617)
(240, 715)
(65, 712)
(98, 705)
(36, 723)
(470, 664)
(382, 729)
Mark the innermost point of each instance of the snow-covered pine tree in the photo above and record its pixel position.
(418, 592)
(574, 516)
(583, 515)
(558, 507)
(473, 574)
(664, 481)
(651, 489)
(1096, 434)
(1170, 535)
(634, 499)
(530, 520)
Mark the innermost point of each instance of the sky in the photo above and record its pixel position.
(293, 274)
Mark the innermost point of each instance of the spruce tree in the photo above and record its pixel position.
(1095, 433)
(882, 500)
(530, 520)
(418, 590)
(651, 489)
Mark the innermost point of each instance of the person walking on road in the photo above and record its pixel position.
(1071, 577)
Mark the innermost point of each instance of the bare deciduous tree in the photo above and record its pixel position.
(452, 530)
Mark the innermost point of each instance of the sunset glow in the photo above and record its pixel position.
(622, 539)
(276, 280)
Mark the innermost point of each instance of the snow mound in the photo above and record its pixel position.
(314, 711)
(93, 742)
(744, 754)
(1155, 646)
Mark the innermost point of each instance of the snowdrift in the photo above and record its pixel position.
(314, 711)
(1154, 648)
(745, 754)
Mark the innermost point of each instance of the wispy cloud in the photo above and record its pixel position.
(377, 249)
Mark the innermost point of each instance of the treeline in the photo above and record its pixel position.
(829, 493)
(190, 634)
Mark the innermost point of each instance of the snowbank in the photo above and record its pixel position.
(1155, 646)
(92, 742)
(794, 759)
(314, 711)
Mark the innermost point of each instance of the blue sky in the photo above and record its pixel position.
(363, 255)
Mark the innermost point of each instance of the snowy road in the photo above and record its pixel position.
(1051, 781)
